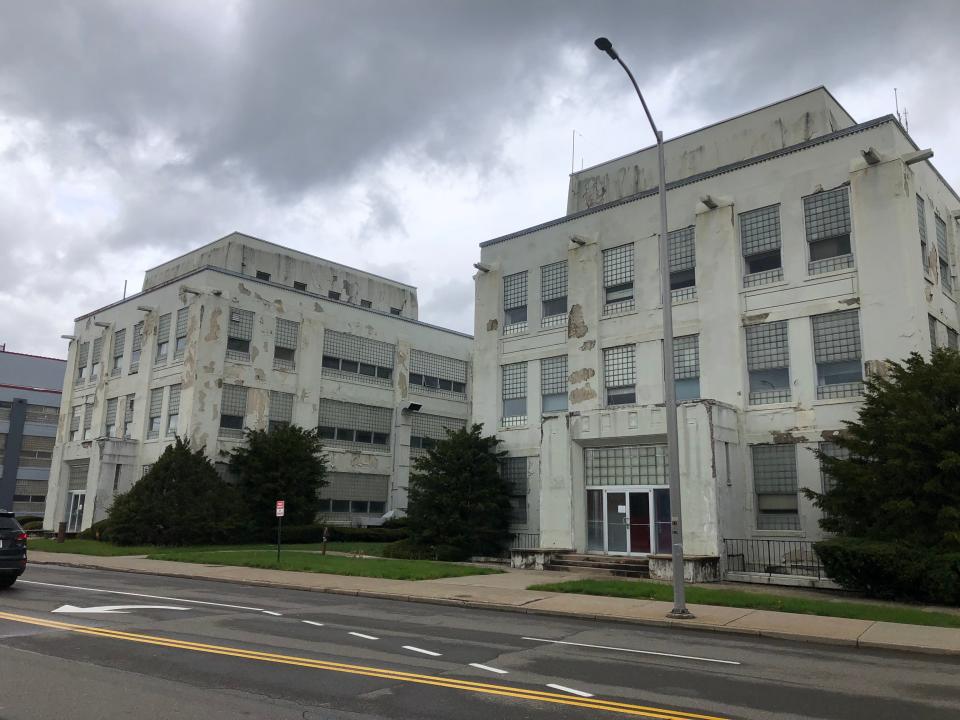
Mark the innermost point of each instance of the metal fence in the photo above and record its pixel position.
(525, 541)
(772, 557)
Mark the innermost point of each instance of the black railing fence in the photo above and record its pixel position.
(773, 557)
(525, 541)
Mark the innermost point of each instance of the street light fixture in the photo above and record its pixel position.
(669, 389)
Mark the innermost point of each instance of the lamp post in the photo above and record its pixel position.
(669, 387)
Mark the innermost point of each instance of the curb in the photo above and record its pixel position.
(500, 607)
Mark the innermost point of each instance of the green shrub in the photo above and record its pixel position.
(407, 550)
(24, 519)
(32, 525)
(100, 530)
(306, 534)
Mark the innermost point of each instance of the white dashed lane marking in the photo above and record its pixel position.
(487, 667)
(421, 650)
(365, 637)
(563, 688)
(133, 594)
(271, 612)
(312, 622)
(631, 650)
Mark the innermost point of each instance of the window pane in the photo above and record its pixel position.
(763, 262)
(555, 307)
(621, 396)
(688, 389)
(515, 407)
(832, 247)
(772, 379)
(555, 402)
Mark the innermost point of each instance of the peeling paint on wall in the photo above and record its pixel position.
(576, 327)
(243, 289)
(786, 437)
(754, 319)
(588, 345)
(492, 325)
(213, 334)
(582, 375)
(580, 395)
(317, 307)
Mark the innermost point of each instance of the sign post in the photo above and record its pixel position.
(280, 511)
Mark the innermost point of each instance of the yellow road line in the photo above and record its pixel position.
(383, 673)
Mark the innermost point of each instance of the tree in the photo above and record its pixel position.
(457, 496)
(181, 501)
(285, 463)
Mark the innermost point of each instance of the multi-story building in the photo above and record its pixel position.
(805, 250)
(242, 333)
(29, 405)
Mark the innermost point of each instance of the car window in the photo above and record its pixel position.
(8, 523)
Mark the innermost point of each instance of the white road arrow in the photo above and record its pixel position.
(114, 609)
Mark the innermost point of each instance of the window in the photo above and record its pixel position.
(932, 324)
(173, 410)
(233, 409)
(75, 414)
(116, 477)
(515, 302)
(355, 426)
(952, 339)
(286, 338)
(831, 449)
(281, 410)
(683, 263)
(77, 475)
(626, 465)
(119, 339)
(333, 294)
(41, 415)
(358, 493)
(299, 285)
(775, 483)
(163, 339)
(514, 471)
(261, 275)
(943, 253)
(553, 294)
(514, 394)
(760, 242)
(619, 375)
(836, 350)
(128, 417)
(180, 334)
(922, 228)
(437, 375)
(83, 353)
(88, 420)
(95, 363)
(153, 415)
(356, 358)
(36, 451)
(553, 384)
(394, 311)
(135, 348)
(145, 470)
(768, 363)
(426, 430)
(110, 423)
(366, 304)
(826, 217)
(239, 335)
(618, 278)
(686, 367)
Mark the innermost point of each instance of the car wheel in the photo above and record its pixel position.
(6, 581)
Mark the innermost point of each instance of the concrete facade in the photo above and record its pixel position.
(229, 342)
(30, 388)
(839, 305)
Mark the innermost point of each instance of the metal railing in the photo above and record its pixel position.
(525, 541)
(772, 557)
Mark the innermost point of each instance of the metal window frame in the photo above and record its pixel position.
(180, 333)
(513, 384)
(240, 327)
(778, 465)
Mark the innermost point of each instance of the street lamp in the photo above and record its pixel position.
(669, 388)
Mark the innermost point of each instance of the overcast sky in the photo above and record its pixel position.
(393, 135)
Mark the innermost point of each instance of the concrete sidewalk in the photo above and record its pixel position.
(508, 592)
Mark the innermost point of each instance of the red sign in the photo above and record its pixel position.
(280, 508)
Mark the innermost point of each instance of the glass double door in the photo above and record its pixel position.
(628, 521)
(75, 511)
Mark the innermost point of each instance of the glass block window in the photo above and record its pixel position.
(683, 258)
(163, 340)
(36, 451)
(836, 349)
(553, 294)
(831, 449)
(775, 485)
(173, 410)
(135, 348)
(351, 357)
(41, 415)
(286, 338)
(626, 465)
(932, 324)
(281, 409)
(333, 294)
(233, 409)
(922, 229)
(153, 415)
(514, 394)
(83, 356)
(128, 416)
(355, 494)
(437, 375)
(180, 334)
(553, 384)
(426, 430)
(619, 375)
(261, 275)
(768, 363)
(77, 475)
(88, 420)
(826, 217)
(354, 426)
(515, 302)
(943, 253)
(618, 279)
(686, 367)
(239, 334)
(760, 241)
(119, 340)
(76, 413)
(514, 471)
(110, 423)
(299, 285)
(952, 339)
(95, 358)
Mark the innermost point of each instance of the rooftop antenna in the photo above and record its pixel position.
(124, 289)
(573, 150)
(902, 118)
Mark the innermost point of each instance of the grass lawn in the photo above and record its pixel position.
(640, 589)
(102, 549)
(333, 564)
(86, 547)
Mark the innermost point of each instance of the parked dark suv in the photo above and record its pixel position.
(13, 549)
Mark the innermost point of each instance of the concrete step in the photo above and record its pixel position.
(605, 559)
(619, 572)
(560, 562)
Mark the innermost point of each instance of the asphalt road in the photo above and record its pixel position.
(215, 650)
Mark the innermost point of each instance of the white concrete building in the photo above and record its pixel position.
(242, 333)
(805, 250)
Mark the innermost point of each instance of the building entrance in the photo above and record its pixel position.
(628, 521)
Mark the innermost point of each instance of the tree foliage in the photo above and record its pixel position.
(457, 497)
(902, 480)
(285, 463)
(181, 501)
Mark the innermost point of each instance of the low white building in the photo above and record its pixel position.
(242, 333)
(805, 248)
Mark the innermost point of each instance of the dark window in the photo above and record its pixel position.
(555, 307)
(416, 379)
(363, 436)
(394, 311)
(366, 304)
(233, 422)
(345, 434)
(430, 382)
(459, 387)
(262, 275)
(299, 285)
(349, 365)
(284, 354)
(619, 293)
(331, 362)
(381, 438)
(378, 506)
(341, 506)
(327, 433)
(762, 262)
(683, 279)
(324, 506)
(358, 506)
(238, 345)
(831, 247)
(333, 295)
(385, 373)
(516, 315)
(368, 370)
(445, 384)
